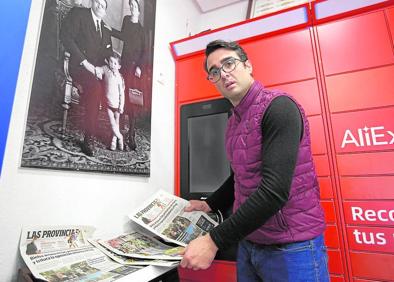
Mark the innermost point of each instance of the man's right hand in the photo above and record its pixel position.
(89, 67)
(196, 205)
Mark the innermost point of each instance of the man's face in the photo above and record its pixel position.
(99, 8)
(135, 12)
(235, 84)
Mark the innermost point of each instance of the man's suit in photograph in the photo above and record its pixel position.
(84, 41)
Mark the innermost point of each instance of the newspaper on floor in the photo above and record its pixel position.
(139, 245)
(62, 253)
(164, 215)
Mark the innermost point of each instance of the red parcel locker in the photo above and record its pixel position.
(341, 71)
(282, 58)
(358, 64)
(360, 42)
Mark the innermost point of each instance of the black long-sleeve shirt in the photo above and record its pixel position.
(282, 129)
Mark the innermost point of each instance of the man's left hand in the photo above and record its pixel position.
(200, 253)
(137, 72)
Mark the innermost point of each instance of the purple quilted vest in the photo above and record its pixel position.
(302, 217)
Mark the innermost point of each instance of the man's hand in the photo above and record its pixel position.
(196, 205)
(89, 67)
(199, 254)
(137, 72)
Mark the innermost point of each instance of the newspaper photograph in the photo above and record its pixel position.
(131, 261)
(164, 215)
(62, 253)
(45, 239)
(139, 245)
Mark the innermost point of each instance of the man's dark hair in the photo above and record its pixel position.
(229, 45)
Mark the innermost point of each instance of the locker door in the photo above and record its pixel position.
(358, 66)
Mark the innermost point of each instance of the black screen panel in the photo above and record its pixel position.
(208, 164)
(203, 163)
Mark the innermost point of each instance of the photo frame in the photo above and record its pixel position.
(257, 8)
(64, 129)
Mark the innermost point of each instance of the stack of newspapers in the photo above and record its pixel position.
(72, 253)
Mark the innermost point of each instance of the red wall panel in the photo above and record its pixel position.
(376, 239)
(289, 58)
(335, 264)
(359, 90)
(371, 130)
(334, 278)
(347, 44)
(373, 213)
(325, 188)
(331, 237)
(322, 165)
(306, 93)
(318, 139)
(329, 211)
(367, 188)
(366, 164)
(191, 80)
(364, 280)
(390, 19)
(374, 266)
(220, 271)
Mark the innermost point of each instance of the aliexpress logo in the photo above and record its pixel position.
(368, 136)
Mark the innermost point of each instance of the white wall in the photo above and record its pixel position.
(46, 197)
(224, 16)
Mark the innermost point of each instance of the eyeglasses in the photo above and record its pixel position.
(228, 66)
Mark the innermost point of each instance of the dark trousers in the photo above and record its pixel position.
(295, 262)
(91, 97)
(131, 81)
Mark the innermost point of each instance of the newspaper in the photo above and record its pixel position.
(131, 261)
(139, 245)
(68, 253)
(62, 253)
(164, 215)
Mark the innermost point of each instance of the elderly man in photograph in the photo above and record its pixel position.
(87, 38)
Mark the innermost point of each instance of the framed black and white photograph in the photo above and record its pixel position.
(91, 96)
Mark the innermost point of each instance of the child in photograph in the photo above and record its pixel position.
(114, 96)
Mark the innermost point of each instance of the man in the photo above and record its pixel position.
(33, 247)
(277, 219)
(88, 39)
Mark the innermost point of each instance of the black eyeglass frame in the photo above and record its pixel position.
(236, 61)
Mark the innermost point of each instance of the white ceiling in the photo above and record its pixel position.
(208, 5)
